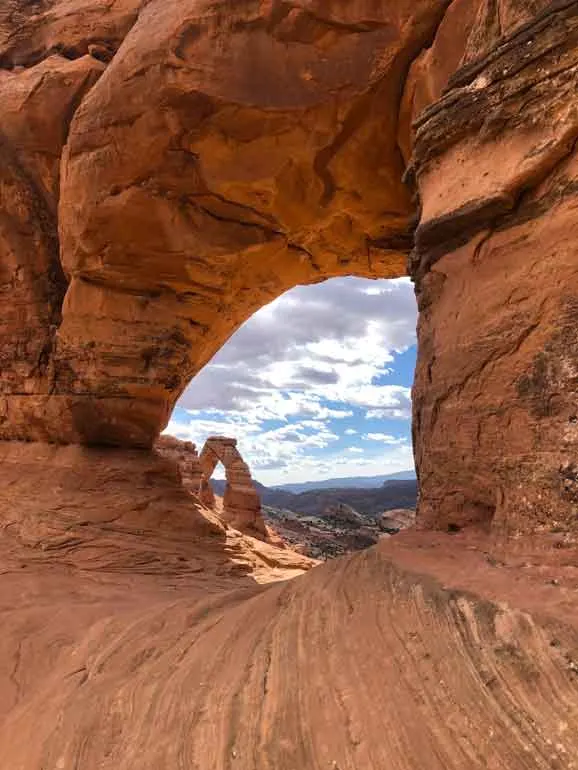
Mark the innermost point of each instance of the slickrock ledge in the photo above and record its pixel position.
(144, 670)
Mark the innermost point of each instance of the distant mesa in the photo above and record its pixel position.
(337, 529)
(329, 521)
(357, 482)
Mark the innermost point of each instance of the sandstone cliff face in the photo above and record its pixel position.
(185, 456)
(191, 195)
(495, 264)
(50, 57)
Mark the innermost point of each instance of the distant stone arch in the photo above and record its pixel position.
(241, 502)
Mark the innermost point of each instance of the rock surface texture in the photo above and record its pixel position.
(166, 168)
(169, 167)
(241, 503)
(142, 647)
(495, 264)
(184, 454)
(227, 152)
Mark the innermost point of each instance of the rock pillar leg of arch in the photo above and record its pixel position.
(496, 271)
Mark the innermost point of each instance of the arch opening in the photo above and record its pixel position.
(323, 366)
(316, 389)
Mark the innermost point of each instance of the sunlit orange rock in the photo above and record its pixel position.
(241, 502)
(166, 168)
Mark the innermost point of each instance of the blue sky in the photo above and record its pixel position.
(315, 385)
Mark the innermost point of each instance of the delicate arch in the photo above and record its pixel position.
(241, 502)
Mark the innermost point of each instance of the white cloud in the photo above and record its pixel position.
(302, 365)
(295, 452)
(384, 438)
(327, 342)
(291, 449)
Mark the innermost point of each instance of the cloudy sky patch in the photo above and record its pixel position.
(315, 385)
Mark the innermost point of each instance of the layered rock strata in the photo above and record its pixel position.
(117, 513)
(184, 454)
(495, 264)
(228, 152)
(101, 669)
(171, 167)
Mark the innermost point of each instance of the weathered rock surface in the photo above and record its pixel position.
(86, 500)
(184, 454)
(115, 662)
(191, 195)
(496, 260)
(241, 502)
(51, 54)
(169, 166)
(396, 520)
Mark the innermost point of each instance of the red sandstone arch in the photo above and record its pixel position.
(186, 196)
(241, 502)
(191, 196)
